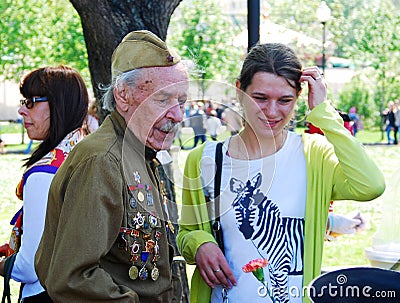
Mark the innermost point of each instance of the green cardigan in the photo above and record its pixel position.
(338, 168)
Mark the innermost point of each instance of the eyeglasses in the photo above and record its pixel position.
(30, 102)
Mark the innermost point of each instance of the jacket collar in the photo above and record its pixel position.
(130, 141)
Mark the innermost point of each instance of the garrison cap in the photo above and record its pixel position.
(141, 49)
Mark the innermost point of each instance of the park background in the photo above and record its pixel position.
(346, 251)
(362, 52)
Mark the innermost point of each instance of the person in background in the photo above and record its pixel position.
(2, 144)
(347, 123)
(390, 123)
(197, 118)
(107, 228)
(213, 125)
(339, 225)
(53, 110)
(355, 118)
(265, 227)
(232, 118)
(396, 111)
(92, 118)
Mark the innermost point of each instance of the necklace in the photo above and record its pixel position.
(241, 147)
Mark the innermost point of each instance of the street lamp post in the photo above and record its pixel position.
(323, 15)
(253, 23)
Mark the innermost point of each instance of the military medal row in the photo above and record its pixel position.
(140, 254)
(142, 192)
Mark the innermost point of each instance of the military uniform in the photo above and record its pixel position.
(105, 216)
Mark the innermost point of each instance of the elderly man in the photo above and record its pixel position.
(106, 232)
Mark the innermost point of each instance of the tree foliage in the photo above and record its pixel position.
(367, 32)
(36, 33)
(203, 34)
(376, 44)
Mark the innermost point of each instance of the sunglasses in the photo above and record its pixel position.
(30, 102)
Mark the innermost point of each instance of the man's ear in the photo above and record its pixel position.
(121, 95)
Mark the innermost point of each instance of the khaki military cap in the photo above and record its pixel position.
(141, 49)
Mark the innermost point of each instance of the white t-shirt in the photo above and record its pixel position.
(262, 216)
(213, 125)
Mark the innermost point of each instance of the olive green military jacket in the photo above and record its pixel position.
(103, 239)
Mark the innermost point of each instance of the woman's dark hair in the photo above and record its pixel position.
(275, 58)
(68, 101)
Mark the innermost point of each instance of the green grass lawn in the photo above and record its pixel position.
(346, 251)
(11, 172)
(10, 128)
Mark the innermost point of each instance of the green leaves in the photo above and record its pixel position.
(35, 33)
(203, 34)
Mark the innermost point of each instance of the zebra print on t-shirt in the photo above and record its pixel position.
(278, 239)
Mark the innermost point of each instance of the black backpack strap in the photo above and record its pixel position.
(8, 265)
(217, 187)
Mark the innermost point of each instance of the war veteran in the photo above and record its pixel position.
(105, 238)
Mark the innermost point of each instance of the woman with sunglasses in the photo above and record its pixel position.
(53, 109)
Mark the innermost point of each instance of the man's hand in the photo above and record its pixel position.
(4, 249)
(363, 225)
(340, 224)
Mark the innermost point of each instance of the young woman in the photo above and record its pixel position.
(275, 187)
(53, 109)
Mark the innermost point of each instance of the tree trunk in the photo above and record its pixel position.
(106, 22)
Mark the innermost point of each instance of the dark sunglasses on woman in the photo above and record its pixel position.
(30, 102)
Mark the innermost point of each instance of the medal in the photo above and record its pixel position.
(152, 221)
(149, 197)
(132, 202)
(170, 227)
(138, 221)
(150, 244)
(140, 196)
(155, 273)
(133, 272)
(135, 258)
(136, 176)
(135, 248)
(143, 274)
(146, 236)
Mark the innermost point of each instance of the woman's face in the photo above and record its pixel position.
(36, 120)
(271, 105)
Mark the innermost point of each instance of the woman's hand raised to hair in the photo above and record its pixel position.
(316, 86)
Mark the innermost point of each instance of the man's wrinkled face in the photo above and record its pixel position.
(158, 102)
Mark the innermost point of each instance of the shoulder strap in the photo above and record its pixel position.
(217, 187)
(8, 265)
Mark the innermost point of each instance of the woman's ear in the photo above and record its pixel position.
(238, 84)
(239, 91)
(121, 96)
